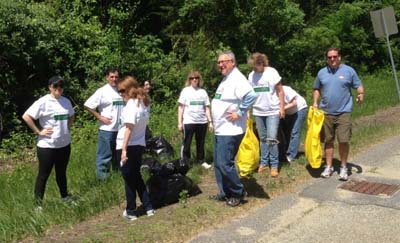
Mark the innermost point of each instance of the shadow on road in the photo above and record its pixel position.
(253, 188)
(316, 173)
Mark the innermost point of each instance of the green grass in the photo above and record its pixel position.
(18, 219)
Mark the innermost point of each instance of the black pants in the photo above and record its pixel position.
(133, 179)
(200, 131)
(49, 157)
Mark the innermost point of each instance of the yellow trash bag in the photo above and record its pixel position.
(248, 155)
(312, 147)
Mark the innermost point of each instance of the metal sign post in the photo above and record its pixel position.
(384, 23)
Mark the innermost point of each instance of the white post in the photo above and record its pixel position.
(390, 54)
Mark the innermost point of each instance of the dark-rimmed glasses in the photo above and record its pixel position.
(223, 61)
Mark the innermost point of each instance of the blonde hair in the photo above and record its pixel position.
(194, 73)
(257, 59)
(133, 90)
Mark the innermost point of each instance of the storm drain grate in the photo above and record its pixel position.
(370, 188)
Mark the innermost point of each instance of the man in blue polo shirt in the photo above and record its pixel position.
(333, 84)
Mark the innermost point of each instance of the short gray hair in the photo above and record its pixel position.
(230, 54)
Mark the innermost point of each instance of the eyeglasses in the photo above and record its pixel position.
(332, 57)
(121, 91)
(223, 61)
(193, 78)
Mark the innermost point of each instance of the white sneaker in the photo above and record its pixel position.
(150, 212)
(38, 209)
(343, 174)
(127, 216)
(328, 171)
(206, 166)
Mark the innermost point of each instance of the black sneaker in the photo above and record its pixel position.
(217, 197)
(233, 201)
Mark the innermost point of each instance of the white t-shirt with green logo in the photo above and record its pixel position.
(136, 113)
(227, 98)
(52, 113)
(267, 101)
(109, 104)
(195, 102)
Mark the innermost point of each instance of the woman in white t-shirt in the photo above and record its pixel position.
(267, 110)
(55, 115)
(131, 143)
(193, 116)
(296, 113)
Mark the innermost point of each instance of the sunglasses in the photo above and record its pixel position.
(193, 78)
(121, 91)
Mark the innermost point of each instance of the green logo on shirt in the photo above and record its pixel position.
(201, 102)
(261, 89)
(118, 103)
(217, 96)
(61, 117)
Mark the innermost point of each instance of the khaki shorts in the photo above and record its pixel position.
(336, 125)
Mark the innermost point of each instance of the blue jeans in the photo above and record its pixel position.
(225, 150)
(133, 180)
(267, 127)
(106, 154)
(293, 125)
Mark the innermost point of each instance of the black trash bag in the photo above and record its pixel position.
(148, 134)
(152, 163)
(154, 167)
(149, 167)
(166, 190)
(177, 166)
(159, 146)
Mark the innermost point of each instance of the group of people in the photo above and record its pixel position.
(122, 108)
(273, 105)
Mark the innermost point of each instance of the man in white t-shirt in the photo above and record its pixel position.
(232, 99)
(106, 106)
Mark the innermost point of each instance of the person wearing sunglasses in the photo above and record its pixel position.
(131, 143)
(267, 110)
(55, 115)
(106, 106)
(333, 85)
(193, 117)
(233, 98)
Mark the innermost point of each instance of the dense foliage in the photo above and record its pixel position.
(162, 40)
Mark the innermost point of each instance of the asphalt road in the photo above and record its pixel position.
(320, 211)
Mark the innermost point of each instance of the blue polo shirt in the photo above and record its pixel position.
(335, 88)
